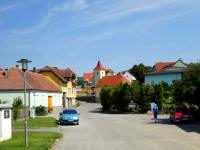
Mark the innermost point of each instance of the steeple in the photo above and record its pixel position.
(99, 66)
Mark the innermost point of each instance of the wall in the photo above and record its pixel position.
(68, 88)
(36, 97)
(97, 75)
(53, 78)
(180, 64)
(157, 78)
(41, 98)
(97, 94)
(10, 95)
(5, 126)
(71, 90)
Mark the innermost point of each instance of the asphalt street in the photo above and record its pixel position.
(98, 131)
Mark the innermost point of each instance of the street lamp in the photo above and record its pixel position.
(24, 63)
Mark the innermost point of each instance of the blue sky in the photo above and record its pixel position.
(76, 33)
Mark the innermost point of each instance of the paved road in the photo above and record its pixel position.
(99, 131)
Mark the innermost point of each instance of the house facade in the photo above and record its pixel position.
(166, 71)
(65, 80)
(40, 91)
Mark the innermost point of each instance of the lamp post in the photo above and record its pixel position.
(24, 63)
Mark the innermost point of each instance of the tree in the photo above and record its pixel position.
(106, 98)
(139, 71)
(121, 97)
(188, 89)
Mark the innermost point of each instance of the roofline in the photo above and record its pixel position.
(171, 72)
(62, 79)
(30, 90)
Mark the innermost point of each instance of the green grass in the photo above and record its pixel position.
(37, 141)
(36, 122)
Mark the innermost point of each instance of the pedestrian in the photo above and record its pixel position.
(155, 112)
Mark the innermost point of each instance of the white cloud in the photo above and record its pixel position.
(8, 7)
(122, 8)
(102, 11)
(67, 6)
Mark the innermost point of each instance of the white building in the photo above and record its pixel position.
(129, 76)
(40, 91)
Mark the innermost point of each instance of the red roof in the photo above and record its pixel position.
(161, 65)
(112, 81)
(99, 66)
(14, 81)
(87, 76)
(60, 73)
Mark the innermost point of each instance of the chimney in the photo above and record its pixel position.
(34, 69)
(5, 73)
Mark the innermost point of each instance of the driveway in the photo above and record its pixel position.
(98, 131)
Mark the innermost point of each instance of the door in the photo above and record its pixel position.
(50, 103)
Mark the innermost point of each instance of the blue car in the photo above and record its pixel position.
(69, 116)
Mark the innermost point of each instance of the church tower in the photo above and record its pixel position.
(98, 73)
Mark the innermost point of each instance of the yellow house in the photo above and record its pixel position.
(64, 79)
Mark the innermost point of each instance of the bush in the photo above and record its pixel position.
(17, 105)
(41, 111)
(106, 98)
(121, 98)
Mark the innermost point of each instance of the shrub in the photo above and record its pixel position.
(106, 98)
(17, 105)
(121, 98)
(41, 111)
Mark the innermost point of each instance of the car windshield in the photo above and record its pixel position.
(69, 111)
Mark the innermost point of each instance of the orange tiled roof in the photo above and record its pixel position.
(99, 66)
(112, 81)
(60, 73)
(14, 80)
(87, 76)
(161, 65)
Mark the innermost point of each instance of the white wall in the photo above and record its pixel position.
(41, 98)
(5, 126)
(97, 75)
(10, 95)
(36, 97)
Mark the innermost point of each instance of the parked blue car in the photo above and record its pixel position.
(69, 116)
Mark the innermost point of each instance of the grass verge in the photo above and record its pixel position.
(37, 141)
(37, 122)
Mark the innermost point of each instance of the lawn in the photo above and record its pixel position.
(37, 141)
(36, 122)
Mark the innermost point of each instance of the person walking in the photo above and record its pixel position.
(155, 113)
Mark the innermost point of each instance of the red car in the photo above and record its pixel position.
(180, 113)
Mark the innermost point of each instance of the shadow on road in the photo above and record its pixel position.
(188, 127)
(99, 110)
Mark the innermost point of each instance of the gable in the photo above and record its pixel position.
(52, 77)
(180, 64)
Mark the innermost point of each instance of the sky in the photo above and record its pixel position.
(78, 33)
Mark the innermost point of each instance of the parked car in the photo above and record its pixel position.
(180, 113)
(69, 116)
